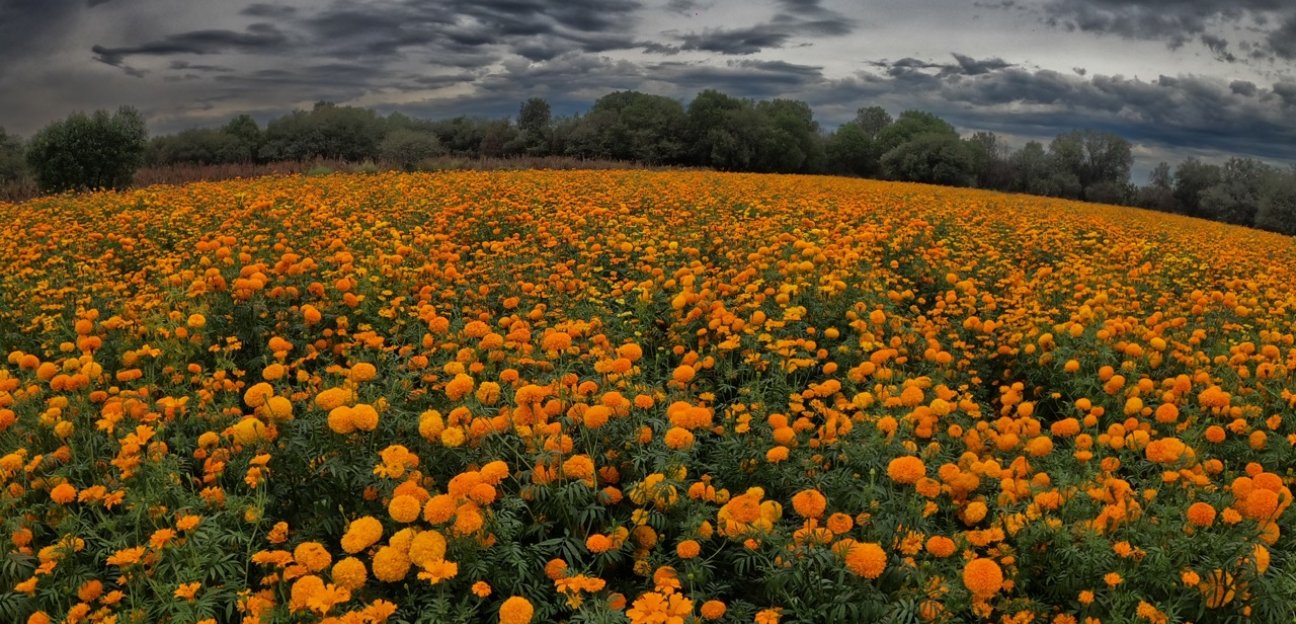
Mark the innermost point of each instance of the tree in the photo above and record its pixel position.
(934, 158)
(1030, 169)
(1191, 178)
(634, 126)
(499, 139)
(709, 115)
(98, 151)
(1277, 203)
(248, 134)
(854, 148)
(792, 143)
(872, 120)
(199, 146)
(1159, 193)
(326, 131)
(910, 125)
(534, 126)
(1086, 163)
(11, 158)
(1236, 197)
(407, 148)
(989, 161)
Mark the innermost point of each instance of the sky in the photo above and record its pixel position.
(1179, 78)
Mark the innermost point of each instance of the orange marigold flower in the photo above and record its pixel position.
(1201, 514)
(688, 549)
(712, 610)
(907, 470)
(983, 577)
(516, 610)
(809, 503)
(940, 546)
(63, 494)
(865, 559)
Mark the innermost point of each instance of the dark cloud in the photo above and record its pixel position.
(1243, 87)
(268, 10)
(974, 67)
(1283, 39)
(748, 40)
(260, 37)
(1178, 22)
(1169, 112)
(801, 18)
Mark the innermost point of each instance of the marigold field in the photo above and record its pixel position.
(658, 398)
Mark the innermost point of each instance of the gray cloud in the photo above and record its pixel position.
(1178, 22)
(260, 37)
(434, 58)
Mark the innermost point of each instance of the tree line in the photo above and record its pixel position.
(714, 130)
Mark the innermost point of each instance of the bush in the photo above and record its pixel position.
(407, 148)
(98, 151)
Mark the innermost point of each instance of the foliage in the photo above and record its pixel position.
(12, 165)
(407, 148)
(97, 151)
(630, 396)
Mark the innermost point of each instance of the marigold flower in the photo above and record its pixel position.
(361, 533)
(865, 559)
(907, 470)
(63, 494)
(809, 503)
(350, 573)
(404, 508)
(312, 556)
(1201, 514)
(982, 577)
(516, 610)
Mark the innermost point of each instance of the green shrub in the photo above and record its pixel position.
(97, 151)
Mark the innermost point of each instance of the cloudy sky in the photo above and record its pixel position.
(1178, 77)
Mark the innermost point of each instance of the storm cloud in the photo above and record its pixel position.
(1175, 76)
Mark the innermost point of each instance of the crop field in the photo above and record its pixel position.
(647, 397)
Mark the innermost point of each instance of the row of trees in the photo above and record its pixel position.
(714, 130)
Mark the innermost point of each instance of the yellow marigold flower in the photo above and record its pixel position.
(390, 564)
(350, 573)
(312, 556)
(363, 371)
(187, 591)
(481, 589)
(427, 548)
(364, 417)
(404, 508)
